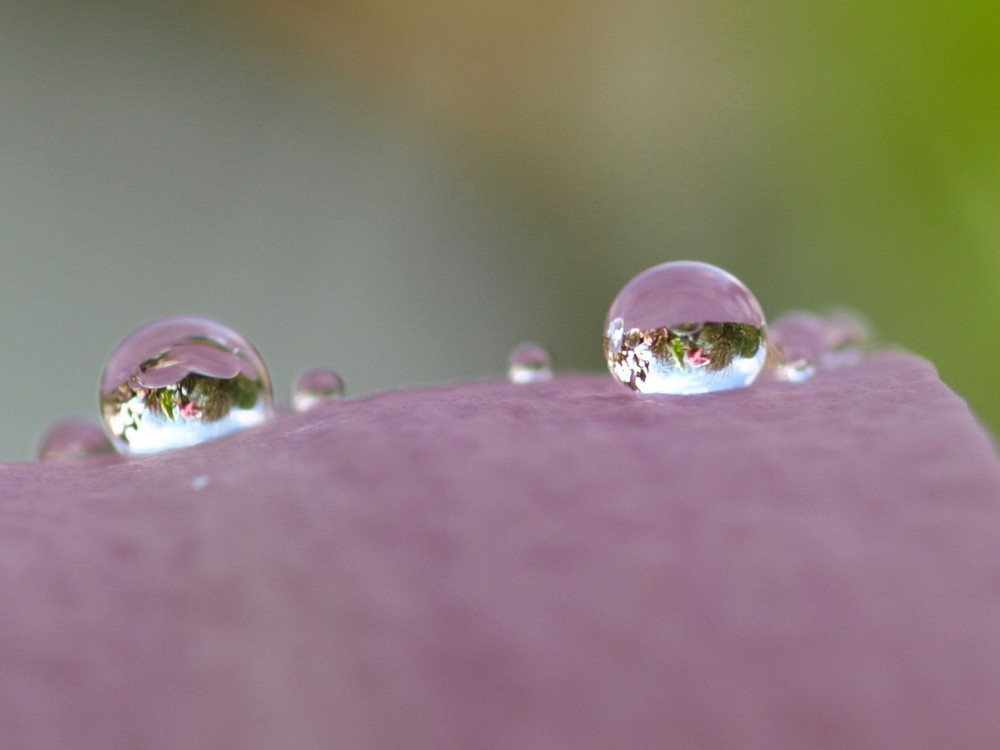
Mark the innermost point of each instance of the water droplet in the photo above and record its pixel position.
(182, 381)
(72, 438)
(529, 363)
(800, 338)
(809, 342)
(850, 338)
(685, 327)
(315, 387)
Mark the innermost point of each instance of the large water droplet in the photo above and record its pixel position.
(808, 342)
(316, 386)
(529, 363)
(685, 327)
(182, 381)
(72, 438)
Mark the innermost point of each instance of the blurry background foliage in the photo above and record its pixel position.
(406, 190)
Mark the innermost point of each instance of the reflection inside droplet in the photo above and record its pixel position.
(316, 386)
(685, 328)
(182, 381)
(529, 363)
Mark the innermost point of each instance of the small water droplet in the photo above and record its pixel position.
(529, 363)
(200, 482)
(685, 327)
(810, 342)
(316, 386)
(800, 338)
(182, 381)
(850, 338)
(72, 438)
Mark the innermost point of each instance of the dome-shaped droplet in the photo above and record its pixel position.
(850, 337)
(316, 386)
(529, 363)
(683, 328)
(182, 381)
(71, 438)
(800, 338)
(808, 342)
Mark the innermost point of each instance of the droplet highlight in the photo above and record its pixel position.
(529, 363)
(807, 343)
(685, 328)
(200, 482)
(73, 438)
(315, 387)
(182, 381)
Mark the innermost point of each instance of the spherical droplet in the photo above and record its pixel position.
(683, 328)
(315, 387)
(808, 342)
(182, 381)
(529, 363)
(72, 438)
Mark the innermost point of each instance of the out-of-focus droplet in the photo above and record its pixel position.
(73, 438)
(808, 342)
(529, 363)
(684, 328)
(182, 381)
(316, 386)
(849, 339)
(801, 338)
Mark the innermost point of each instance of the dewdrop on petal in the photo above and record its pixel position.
(685, 328)
(529, 363)
(182, 381)
(316, 386)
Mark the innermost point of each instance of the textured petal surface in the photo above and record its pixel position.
(560, 565)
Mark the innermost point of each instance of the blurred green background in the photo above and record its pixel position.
(405, 191)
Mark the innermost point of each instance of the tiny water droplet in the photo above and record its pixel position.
(529, 363)
(683, 328)
(182, 381)
(809, 342)
(72, 438)
(316, 386)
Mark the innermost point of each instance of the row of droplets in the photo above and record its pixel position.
(678, 328)
(146, 415)
(161, 415)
